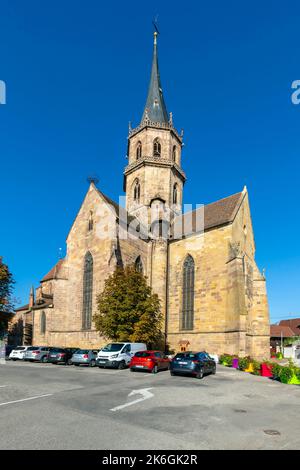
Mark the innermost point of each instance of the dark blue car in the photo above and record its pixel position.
(192, 363)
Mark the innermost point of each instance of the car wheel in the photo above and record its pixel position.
(92, 363)
(131, 369)
(121, 365)
(200, 374)
(54, 363)
(14, 359)
(69, 362)
(214, 370)
(44, 359)
(172, 373)
(76, 365)
(155, 369)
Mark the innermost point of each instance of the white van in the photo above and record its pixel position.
(118, 355)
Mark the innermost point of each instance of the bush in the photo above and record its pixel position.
(276, 368)
(226, 360)
(244, 362)
(256, 367)
(297, 372)
(286, 373)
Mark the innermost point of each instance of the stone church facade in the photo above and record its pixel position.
(201, 263)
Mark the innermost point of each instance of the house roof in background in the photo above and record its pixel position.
(277, 330)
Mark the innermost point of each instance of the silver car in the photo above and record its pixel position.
(37, 353)
(85, 356)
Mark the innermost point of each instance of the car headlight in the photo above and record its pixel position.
(114, 356)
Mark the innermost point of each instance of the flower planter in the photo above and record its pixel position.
(250, 368)
(266, 370)
(235, 363)
(293, 381)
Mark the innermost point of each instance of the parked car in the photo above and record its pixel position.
(151, 361)
(192, 363)
(17, 354)
(85, 356)
(61, 355)
(118, 355)
(37, 353)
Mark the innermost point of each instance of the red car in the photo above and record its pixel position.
(151, 361)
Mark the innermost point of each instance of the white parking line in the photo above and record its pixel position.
(26, 399)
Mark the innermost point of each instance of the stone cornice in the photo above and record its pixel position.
(156, 125)
(154, 161)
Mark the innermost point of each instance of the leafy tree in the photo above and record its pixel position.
(127, 310)
(6, 286)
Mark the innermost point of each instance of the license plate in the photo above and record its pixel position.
(182, 363)
(139, 366)
(102, 362)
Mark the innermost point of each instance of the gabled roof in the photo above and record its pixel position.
(293, 323)
(215, 214)
(52, 274)
(276, 331)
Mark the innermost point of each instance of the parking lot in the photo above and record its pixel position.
(45, 406)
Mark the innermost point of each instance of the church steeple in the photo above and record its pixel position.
(153, 175)
(155, 109)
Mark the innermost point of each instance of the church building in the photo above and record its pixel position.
(201, 263)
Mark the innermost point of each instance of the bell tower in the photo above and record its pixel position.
(153, 176)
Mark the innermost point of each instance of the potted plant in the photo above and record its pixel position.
(225, 360)
(235, 362)
(244, 363)
(266, 369)
(290, 374)
(256, 365)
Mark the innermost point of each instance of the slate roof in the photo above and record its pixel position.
(155, 108)
(216, 214)
(277, 330)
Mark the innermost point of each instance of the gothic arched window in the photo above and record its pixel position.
(43, 323)
(139, 150)
(87, 291)
(139, 265)
(174, 151)
(187, 322)
(137, 191)
(156, 148)
(175, 194)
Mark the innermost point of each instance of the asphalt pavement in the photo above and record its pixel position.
(45, 406)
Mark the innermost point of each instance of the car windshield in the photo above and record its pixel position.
(186, 356)
(55, 350)
(113, 347)
(143, 354)
(19, 348)
(82, 351)
(32, 348)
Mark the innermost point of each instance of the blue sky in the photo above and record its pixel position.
(77, 72)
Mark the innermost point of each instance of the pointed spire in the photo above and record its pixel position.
(31, 297)
(155, 109)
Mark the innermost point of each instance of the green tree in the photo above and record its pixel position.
(127, 310)
(6, 287)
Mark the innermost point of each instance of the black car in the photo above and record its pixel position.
(193, 363)
(61, 355)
